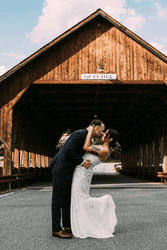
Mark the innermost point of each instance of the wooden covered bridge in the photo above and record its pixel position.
(98, 67)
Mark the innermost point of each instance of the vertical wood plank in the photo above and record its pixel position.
(51, 66)
(118, 53)
(26, 159)
(7, 131)
(33, 160)
(98, 48)
(80, 57)
(131, 63)
(76, 60)
(111, 52)
(63, 62)
(38, 160)
(1, 121)
(161, 70)
(142, 68)
(59, 64)
(105, 52)
(90, 52)
(148, 65)
(55, 70)
(145, 69)
(73, 59)
(165, 143)
(42, 161)
(94, 51)
(121, 49)
(17, 160)
(155, 69)
(135, 60)
(128, 59)
(114, 51)
(83, 55)
(151, 67)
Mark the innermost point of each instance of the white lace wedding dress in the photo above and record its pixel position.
(90, 216)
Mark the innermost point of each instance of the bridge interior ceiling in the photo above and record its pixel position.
(126, 108)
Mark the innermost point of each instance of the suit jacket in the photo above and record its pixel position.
(70, 155)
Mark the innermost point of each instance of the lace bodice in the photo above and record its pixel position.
(82, 177)
(93, 158)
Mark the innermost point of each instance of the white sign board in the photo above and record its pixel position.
(98, 76)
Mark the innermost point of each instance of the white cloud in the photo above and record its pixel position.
(161, 12)
(159, 47)
(58, 16)
(133, 21)
(3, 69)
(15, 55)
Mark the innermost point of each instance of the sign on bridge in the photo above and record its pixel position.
(98, 76)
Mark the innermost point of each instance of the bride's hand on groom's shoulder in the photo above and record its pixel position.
(86, 164)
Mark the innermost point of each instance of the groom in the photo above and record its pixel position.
(62, 166)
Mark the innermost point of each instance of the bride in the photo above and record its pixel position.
(92, 216)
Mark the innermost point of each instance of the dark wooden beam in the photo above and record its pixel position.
(93, 91)
(91, 108)
(84, 100)
(154, 106)
(161, 94)
(99, 82)
(30, 99)
(37, 107)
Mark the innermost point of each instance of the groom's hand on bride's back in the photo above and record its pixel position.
(86, 164)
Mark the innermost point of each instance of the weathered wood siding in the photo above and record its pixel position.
(107, 45)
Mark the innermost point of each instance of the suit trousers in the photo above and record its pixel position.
(61, 200)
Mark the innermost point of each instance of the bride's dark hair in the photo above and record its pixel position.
(115, 135)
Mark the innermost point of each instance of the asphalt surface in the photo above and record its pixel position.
(141, 209)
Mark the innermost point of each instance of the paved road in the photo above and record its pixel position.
(25, 218)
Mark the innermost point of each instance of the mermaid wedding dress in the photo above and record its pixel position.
(90, 216)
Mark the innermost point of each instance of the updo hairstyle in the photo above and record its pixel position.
(115, 135)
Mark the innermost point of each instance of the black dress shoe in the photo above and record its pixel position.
(68, 230)
(62, 234)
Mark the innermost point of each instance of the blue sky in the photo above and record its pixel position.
(26, 26)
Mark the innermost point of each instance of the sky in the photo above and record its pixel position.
(26, 26)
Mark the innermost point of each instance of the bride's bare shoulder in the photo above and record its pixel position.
(101, 151)
(100, 147)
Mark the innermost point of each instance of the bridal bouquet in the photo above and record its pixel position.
(63, 138)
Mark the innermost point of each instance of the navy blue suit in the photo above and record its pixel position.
(62, 166)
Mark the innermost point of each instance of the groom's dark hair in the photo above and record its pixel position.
(96, 122)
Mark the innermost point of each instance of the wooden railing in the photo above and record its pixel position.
(163, 176)
(8, 182)
(142, 174)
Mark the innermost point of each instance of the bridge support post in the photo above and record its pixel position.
(8, 138)
(16, 160)
(26, 160)
(165, 145)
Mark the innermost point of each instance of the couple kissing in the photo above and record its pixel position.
(72, 171)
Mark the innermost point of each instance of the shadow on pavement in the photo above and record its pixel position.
(115, 178)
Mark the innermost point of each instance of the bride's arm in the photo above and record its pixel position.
(87, 145)
(93, 149)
